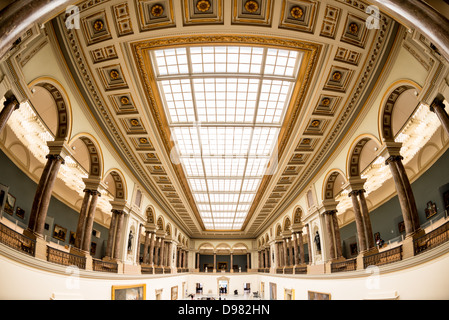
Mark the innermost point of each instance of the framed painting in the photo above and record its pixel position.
(313, 295)
(10, 204)
(3, 193)
(430, 210)
(401, 227)
(132, 292)
(59, 232)
(72, 238)
(20, 213)
(446, 200)
(174, 293)
(222, 266)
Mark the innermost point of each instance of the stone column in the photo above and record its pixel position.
(295, 248)
(145, 247)
(367, 221)
(267, 257)
(215, 262)
(231, 269)
(161, 253)
(9, 106)
(437, 107)
(309, 246)
(290, 252)
(47, 192)
(247, 262)
(90, 221)
(186, 259)
(337, 235)
(198, 260)
(358, 220)
(329, 233)
(118, 233)
(151, 257)
(79, 235)
(139, 235)
(111, 235)
(179, 257)
(157, 250)
(302, 258)
(402, 194)
(44, 190)
(284, 249)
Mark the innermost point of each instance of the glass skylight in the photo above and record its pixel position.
(225, 106)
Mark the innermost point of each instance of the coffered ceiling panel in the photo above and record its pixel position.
(224, 110)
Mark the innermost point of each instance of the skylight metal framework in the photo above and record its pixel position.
(225, 106)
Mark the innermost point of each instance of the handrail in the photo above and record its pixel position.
(65, 258)
(99, 265)
(431, 239)
(383, 257)
(17, 240)
(347, 265)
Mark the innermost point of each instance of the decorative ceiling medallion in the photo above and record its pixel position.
(143, 140)
(203, 5)
(348, 56)
(296, 12)
(336, 76)
(299, 15)
(153, 15)
(135, 122)
(338, 79)
(95, 28)
(114, 74)
(353, 28)
(98, 25)
(315, 123)
(252, 11)
(251, 6)
(325, 102)
(112, 77)
(157, 10)
(203, 12)
(327, 105)
(124, 100)
(355, 32)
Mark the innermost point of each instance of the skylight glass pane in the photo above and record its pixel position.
(225, 106)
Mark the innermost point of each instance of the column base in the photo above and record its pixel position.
(316, 269)
(408, 246)
(131, 269)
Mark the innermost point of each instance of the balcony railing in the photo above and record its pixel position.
(385, 257)
(65, 258)
(17, 240)
(348, 265)
(301, 270)
(104, 266)
(431, 239)
(146, 269)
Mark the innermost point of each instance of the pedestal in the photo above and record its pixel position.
(408, 248)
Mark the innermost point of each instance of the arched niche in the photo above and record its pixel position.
(287, 224)
(87, 153)
(160, 223)
(52, 105)
(333, 184)
(397, 106)
(363, 151)
(115, 184)
(150, 215)
(297, 215)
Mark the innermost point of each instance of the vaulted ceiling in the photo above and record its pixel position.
(201, 93)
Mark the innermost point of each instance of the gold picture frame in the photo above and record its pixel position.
(130, 292)
(313, 295)
(174, 293)
(59, 232)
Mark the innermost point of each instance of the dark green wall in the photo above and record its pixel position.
(385, 219)
(24, 189)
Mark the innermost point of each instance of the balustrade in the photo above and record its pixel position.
(17, 240)
(385, 257)
(65, 258)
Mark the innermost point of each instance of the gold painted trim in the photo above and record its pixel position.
(143, 62)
